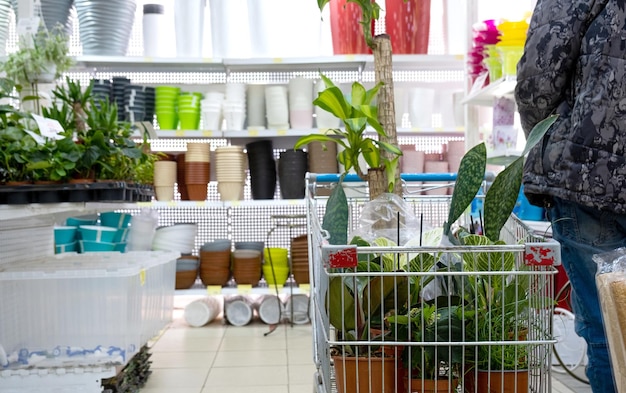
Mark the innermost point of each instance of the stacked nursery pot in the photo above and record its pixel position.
(234, 106)
(186, 271)
(246, 267)
(262, 169)
(215, 262)
(292, 168)
(230, 169)
(166, 106)
(300, 259)
(164, 180)
(197, 170)
(189, 111)
(301, 103)
(275, 265)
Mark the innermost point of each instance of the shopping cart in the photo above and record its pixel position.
(468, 317)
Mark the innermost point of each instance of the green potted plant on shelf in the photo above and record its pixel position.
(40, 58)
(15, 143)
(357, 113)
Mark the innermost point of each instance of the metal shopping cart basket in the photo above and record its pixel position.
(390, 318)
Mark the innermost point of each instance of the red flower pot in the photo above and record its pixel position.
(346, 29)
(408, 25)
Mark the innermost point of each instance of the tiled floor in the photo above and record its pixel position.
(223, 358)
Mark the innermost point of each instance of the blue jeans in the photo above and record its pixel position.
(582, 232)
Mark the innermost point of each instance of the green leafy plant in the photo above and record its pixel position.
(15, 143)
(356, 113)
(432, 322)
(42, 53)
(54, 160)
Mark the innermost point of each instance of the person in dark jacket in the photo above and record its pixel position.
(574, 65)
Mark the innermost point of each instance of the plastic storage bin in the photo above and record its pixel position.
(70, 310)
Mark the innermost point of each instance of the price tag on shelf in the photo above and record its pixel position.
(179, 133)
(207, 133)
(306, 288)
(253, 132)
(214, 289)
(278, 288)
(49, 128)
(277, 60)
(148, 59)
(244, 289)
(281, 132)
(207, 60)
(142, 277)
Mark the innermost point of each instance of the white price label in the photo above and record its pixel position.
(28, 25)
(49, 128)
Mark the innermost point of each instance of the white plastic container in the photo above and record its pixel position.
(72, 311)
(189, 22)
(238, 310)
(202, 311)
(155, 34)
(270, 309)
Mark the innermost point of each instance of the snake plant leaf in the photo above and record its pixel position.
(469, 179)
(333, 101)
(537, 133)
(341, 305)
(335, 219)
(501, 197)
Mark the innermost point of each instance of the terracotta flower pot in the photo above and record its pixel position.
(433, 386)
(362, 373)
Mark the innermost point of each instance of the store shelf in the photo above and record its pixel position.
(295, 64)
(13, 212)
(422, 62)
(216, 290)
(503, 87)
(289, 133)
(146, 64)
(222, 204)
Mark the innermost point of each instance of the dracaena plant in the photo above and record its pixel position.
(357, 113)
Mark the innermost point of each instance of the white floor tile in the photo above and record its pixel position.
(250, 389)
(182, 344)
(301, 374)
(183, 359)
(169, 390)
(301, 388)
(253, 343)
(247, 376)
(251, 358)
(177, 378)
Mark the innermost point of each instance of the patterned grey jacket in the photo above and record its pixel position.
(574, 64)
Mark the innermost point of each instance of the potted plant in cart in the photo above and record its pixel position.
(352, 306)
(432, 368)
